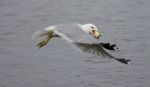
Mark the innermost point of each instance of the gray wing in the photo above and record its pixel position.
(98, 50)
(75, 33)
(95, 49)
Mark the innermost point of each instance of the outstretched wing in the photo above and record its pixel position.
(95, 49)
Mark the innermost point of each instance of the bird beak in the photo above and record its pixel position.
(97, 34)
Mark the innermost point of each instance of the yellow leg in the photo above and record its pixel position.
(44, 42)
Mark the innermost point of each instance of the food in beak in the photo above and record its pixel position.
(97, 35)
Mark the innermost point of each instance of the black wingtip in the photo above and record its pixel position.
(109, 46)
(125, 61)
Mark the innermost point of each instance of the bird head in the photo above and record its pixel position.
(92, 29)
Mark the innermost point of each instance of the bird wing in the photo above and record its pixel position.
(95, 49)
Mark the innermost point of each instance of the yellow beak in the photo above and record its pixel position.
(97, 34)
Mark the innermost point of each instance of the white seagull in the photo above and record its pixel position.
(85, 37)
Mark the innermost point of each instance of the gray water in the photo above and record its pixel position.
(22, 64)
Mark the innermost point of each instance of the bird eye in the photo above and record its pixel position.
(92, 27)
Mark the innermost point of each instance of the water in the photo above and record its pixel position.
(22, 64)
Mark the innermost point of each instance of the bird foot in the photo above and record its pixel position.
(43, 42)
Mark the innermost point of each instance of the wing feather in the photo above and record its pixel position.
(95, 49)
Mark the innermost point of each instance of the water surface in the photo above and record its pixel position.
(22, 64)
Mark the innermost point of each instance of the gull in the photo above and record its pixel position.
(85, 37)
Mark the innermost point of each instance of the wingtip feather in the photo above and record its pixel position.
(125, 61)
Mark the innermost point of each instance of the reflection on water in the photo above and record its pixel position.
(125, 22)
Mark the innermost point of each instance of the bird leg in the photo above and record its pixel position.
(44, 42)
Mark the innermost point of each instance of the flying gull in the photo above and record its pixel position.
(85, 37)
